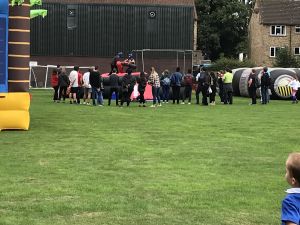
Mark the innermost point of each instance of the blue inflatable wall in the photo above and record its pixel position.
(3, 45)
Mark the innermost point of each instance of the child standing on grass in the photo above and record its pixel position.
(294, 84)
(290, 212)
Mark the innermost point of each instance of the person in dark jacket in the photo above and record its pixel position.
(114, 86)
(213, 86)
(116, 59)
(188, 85)
(265, 82)
(221, 85)
(142, 83)
(97, 86)
(252, 86)
(132, 81)
(126, 89)
(64, 82)
(203, 84)
(176, 84)
(165, 84)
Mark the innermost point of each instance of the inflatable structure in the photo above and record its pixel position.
(14, 63)
(280, 79)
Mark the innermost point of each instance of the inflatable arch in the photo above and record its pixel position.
(14, 62)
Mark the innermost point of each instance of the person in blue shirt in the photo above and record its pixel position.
(290, 211)
(176, 79)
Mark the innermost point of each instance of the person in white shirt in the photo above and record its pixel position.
(294, 84)
(73, 77)
(87, 87)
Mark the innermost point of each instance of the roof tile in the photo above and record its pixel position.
(280, 12)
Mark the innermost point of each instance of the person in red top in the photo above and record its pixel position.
(188, 85)
(54, 84)
(79, 90)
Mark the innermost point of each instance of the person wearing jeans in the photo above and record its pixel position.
(228, 90)
(95, 82)
(97, 95)
(114, 86)
(155, 83)
(188, 85)
(165, 84)
(176, 84)
(265, 82)
(264, 94)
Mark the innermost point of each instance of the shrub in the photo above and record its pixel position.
(222, 63)
(285, 59)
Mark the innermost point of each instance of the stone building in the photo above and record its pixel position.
(274, 24)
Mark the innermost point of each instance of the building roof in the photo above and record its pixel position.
(124, 2)
(280, 12)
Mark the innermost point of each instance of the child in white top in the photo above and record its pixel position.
(294, 84)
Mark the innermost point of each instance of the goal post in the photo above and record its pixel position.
(40, 75)
(164, 59)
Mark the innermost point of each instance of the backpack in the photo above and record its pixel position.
(202, 77)
(265, 79)
(257, 82)
(174, 80)
(166, 81)
(188, 80)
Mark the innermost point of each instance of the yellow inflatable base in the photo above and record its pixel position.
(14, 111)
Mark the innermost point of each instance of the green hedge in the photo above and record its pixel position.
(222, 63)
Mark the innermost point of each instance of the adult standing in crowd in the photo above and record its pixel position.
(96, 84)
(64, 82)
(54, 84)
(221, 85)
(154, 81)
(87, 88)
(265, 82)
(125, 87)
(132, 82)
(73, 77)
(228, 90)
(213, 86)
(176, 79)
(202, 79)
(188, 86)
(252, 85)
(79, 90)
(165, 84)
(142, 83)
(114, 86)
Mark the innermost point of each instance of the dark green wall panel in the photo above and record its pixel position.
(103, 30)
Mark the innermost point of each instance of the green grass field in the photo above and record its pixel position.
(173, 165)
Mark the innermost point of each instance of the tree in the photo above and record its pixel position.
(223, 27)
(285, 59)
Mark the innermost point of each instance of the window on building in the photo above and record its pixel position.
(278, 30)
(297, 28)
(274, 50)
(297, 51)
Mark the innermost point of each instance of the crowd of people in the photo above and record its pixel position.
(90, 86)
